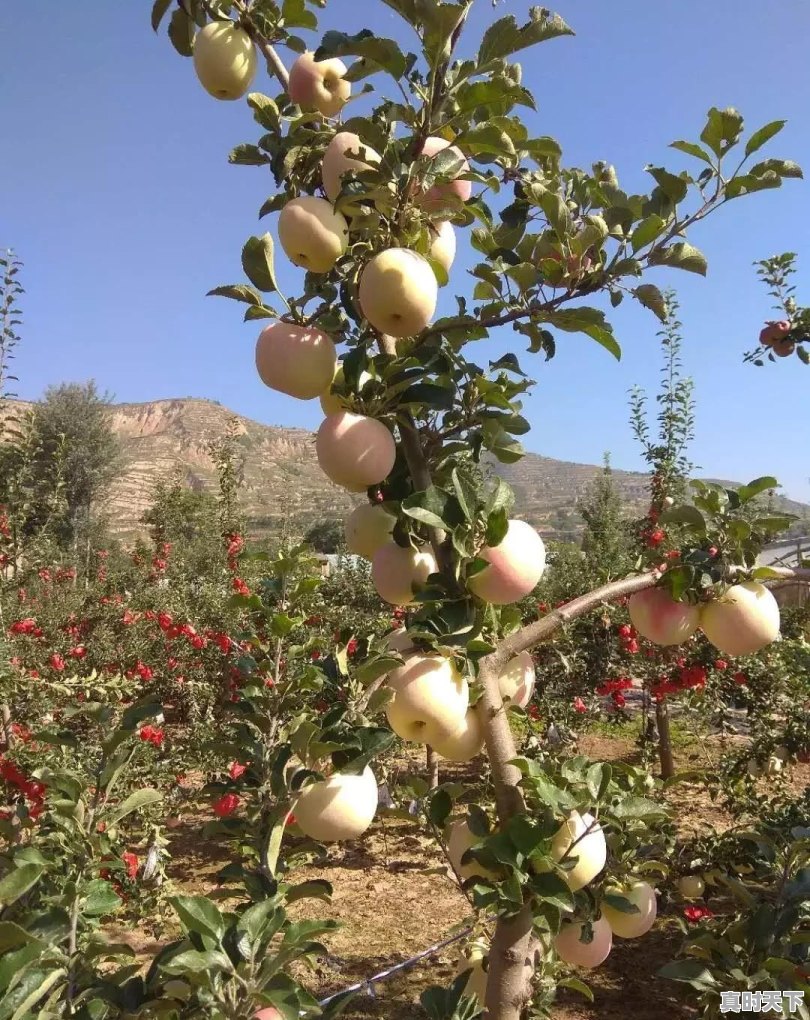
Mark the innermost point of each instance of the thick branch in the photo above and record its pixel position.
(541, 630)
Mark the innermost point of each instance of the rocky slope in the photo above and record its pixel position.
(282, 480)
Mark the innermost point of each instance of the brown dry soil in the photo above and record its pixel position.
(394, 897)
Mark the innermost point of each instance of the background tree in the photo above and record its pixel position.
(606, 539)
(325, 537)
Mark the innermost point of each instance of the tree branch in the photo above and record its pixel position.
(274, 61)
(541, 630)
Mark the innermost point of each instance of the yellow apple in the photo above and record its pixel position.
(340, 807)
(443, 245)
(572, 950)
(430, 698)
(440, 195)
(742, 621)
(331, 402)
(460, 838)
(571, 844)
(773, 765)
(660, 619)
(367, 528)
(465, 742)
(295, 359)
(514, 566)
(312, 234)
(475, 960)
(319, 84)
(354, 451)
(691, 887)
(516, 682)
(398, 292)
(395, 570)
(632, 926)
(345, 153)
(224, 59)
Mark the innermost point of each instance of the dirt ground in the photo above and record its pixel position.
(394, 897)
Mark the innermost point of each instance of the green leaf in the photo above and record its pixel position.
(181, 33)
(430, 507)
(680, 255)
(19, 881)
(576, 986)
(756, 488)
(12, 936)
(237, 292)
(497, 526)
(553, 889)
(100, 898)
(134, 802)
(374, 668)
(692, 972)
(198, 914)
(782, 167)
(43, 981)
(265, 110)
(685, 515)
(195, 962)
(441, 804)
(504, 37)
(315, 888)
(248, 155)
(257, 262)
(722, 129)
(430, 394)
(591, 322)
(383, 53)
(159, 9)
(692, 149)
(647, 231)
(651, 297)
(763, 135)
(296, 15)
(638, 807)
(621, 903)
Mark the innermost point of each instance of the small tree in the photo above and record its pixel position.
(607, 538)
(397, 179)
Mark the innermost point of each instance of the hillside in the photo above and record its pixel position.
(283, 481)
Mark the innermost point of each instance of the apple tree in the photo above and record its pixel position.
(371, 207)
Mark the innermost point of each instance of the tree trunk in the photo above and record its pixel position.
(510, 958)
(5, 721)
(664, 740)
(432, 768)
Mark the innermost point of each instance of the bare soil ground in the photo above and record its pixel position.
(394, 897)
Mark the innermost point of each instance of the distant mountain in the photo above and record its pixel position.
(282, 479)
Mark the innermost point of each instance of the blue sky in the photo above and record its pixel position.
(117, 194)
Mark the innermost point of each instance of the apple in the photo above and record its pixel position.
(516, 682)
(312, 234)
(465, 742)
(773, 765)
(268, 1013)
(399, 640)
(475, 961)
(691, 887)
(224, 59)
(783, 348)
(354, 451)
(781, 752)
(398, 292)
(441, 195)
(395, 570)
(773, 331)
(660, 619)
(572, 950)
(331, 402)
(367, 528)
(743, 621)
(319, 84)
(337, 161)
(754, 768)
(430, 698)
(296, 360)
(515, 566)
(340, 807)
(459, 839)
(443, 246)
(589, 851)
(631, 926)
